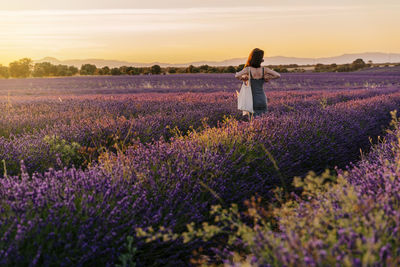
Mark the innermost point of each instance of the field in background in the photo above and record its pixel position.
(182, 83)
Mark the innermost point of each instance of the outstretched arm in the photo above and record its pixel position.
(270, 74)
(243, 74)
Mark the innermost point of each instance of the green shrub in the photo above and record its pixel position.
(68, 152)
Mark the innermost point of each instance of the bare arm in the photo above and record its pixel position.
(270, 74)
(241, 74)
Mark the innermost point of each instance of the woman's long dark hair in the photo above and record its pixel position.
(255, 58)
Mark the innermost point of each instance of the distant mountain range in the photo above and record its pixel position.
(276, 60)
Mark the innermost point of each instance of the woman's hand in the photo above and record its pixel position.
(244, 78)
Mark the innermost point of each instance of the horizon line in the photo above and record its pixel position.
(197, 61)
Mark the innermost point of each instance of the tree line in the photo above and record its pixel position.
(25, 67)
(357, 64)
(89, 69)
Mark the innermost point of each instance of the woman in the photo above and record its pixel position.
(257, 75)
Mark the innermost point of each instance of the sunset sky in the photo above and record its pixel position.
(181, 31)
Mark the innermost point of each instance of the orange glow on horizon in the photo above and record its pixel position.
(187, 34)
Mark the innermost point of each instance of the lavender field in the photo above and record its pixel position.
(163, 170)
